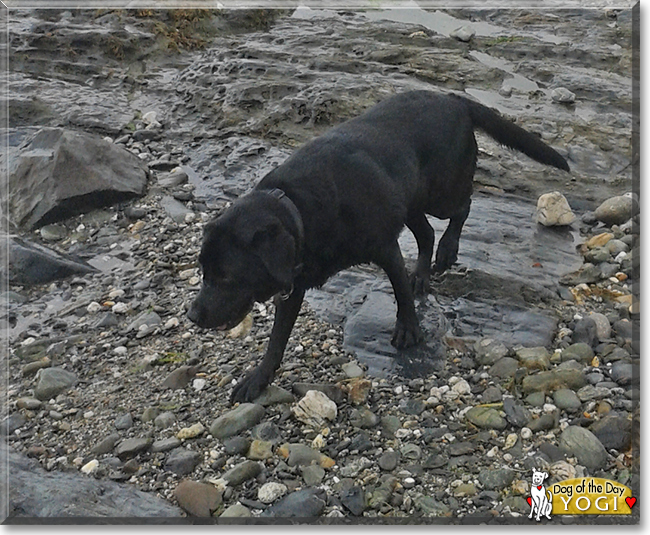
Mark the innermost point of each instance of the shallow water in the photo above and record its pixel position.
(508, 266)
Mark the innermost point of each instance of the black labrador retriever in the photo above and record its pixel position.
(341, 200)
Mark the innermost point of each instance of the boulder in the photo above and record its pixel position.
(60, 173)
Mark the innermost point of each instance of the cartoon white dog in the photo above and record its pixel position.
(541, 499)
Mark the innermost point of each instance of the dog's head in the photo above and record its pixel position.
(539, 477)
(247, 255)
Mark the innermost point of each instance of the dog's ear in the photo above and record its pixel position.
(277, 249)
(545, 475)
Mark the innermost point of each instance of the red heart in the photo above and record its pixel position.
(530, 501)
(539, 487)
(630, 502)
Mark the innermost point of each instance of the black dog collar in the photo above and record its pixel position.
(297, 219)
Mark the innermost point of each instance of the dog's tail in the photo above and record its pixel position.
(509, 134)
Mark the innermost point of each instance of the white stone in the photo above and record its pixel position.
(563, 95)
(90, 467)
(461, 388)
(554, 210)
(269, 492)
(315, 408)
(93, 307)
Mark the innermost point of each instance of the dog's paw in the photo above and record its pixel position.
(406, 335)
(250, 387)
(420, 284)
(445, 258)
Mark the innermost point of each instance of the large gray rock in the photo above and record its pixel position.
(617, 210)
(584, 445)
(53, 381)
(35, 493)
(60, 173)
(31, 264)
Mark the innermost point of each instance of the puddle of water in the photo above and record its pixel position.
(439, 22)
(512, 262)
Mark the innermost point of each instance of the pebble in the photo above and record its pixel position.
(106, 445)
(274, 395)
(486, 418)
(613, 432)
(352, 370)
(580, 352)
(260, 450)
(489, 351)
(389, 460)
(193, 431)
(551, 380)
(90, 467)
(236, 510)
(242, 472)
(130, 447)
(562, 95)
(304, 503)
(198, 499)
(180, 377)
(182, 461)
(164, 420)
(496, 479)
(237, 420)
(271, 491)
(566, 399)
(124, 422)
(165, 444)
(312, 475)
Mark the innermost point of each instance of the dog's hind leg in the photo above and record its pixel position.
(425, 236)
(286, 312)
(407, 329)
(447, 252)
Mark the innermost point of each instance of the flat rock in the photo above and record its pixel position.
(496, 479)
(35, 493)
(584, 445)
(550, 381)
(306, 503)
(236, 510)
(131, 447)
(486, 418)
(30, 264)
(175, 209)
(504, 368)
(614, 432)
(237, 420)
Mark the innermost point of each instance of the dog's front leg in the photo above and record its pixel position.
(407, 328)
(286, 312)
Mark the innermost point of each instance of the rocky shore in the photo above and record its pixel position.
(109, 384)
